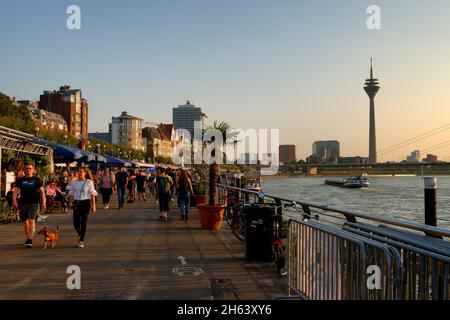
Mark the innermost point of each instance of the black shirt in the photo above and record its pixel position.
(29, 190)
(140, 180)
(121, 179)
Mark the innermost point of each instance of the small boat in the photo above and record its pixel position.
(353, 182)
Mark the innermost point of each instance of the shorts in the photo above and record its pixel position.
(28, 211)
(141, 189)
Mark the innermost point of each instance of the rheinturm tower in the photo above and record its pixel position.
(371, 88)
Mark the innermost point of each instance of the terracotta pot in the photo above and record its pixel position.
(211, 216)
(199, 199)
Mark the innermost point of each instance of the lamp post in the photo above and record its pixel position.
(118, 152)
(65, 139)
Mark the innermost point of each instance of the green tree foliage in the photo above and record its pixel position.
(14, 117)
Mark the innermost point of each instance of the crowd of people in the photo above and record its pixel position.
(79, 191)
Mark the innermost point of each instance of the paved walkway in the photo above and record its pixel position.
(130, 254)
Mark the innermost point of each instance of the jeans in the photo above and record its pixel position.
(106, 195)
(80, 217)
(184, 203)
(121, 196)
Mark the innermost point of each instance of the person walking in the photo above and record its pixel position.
(184, 191)
(163, 185)
(107, 182)
(141, 183)
(82, 199)
(131, 186)
(121, 184)
(31, 191)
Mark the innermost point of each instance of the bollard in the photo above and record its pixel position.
(430, 185)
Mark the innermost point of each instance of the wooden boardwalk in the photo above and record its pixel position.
(130, 254)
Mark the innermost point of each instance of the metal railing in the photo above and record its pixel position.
(329, 251)
(328, 264)
(426, 263)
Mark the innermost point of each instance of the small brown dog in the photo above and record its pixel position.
(51, 236)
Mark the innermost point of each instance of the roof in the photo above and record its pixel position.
(166, 131)
(125, 115)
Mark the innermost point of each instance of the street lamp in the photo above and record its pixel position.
(118, 152)
(65, 139)
(36, 132)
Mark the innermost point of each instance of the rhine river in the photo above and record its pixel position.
(399, 197)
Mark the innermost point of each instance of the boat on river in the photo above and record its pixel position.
(360, 181)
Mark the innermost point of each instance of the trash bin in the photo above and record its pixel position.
(259, 232)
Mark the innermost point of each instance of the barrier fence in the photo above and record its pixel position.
(339, 254)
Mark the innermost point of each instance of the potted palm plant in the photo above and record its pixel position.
(211, 214)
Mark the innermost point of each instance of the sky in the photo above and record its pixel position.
(294, 65)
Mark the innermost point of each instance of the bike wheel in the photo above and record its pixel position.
(229, 215)
(238, 225)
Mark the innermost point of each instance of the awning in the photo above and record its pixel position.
(115, 162)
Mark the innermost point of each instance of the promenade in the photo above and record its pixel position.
(130, 254)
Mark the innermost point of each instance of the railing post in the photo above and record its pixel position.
(430, 186)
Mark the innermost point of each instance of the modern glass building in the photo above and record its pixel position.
(184, 117)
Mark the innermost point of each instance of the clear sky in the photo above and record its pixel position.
(290, 64)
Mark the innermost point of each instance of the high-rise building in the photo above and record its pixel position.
(414, 157)
(69, 103)
(326, 150)
(185, 116)
(127, 130)
(371, 88)
(287, 153)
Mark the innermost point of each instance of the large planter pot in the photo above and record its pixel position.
(199, 199)
(211, 216)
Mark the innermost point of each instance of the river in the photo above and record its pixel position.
(400, 197)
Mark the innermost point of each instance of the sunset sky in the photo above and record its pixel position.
(298, 66)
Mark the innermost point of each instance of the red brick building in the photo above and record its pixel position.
(287, 153)
(69, 103)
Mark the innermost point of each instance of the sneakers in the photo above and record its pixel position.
(42, 218)
(106, 206)
(28, 243)
(80, 244)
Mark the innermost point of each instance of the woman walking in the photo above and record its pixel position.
(184, 190)
(107, 182)
(82, 195)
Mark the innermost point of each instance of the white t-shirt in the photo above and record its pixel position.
(82, 190)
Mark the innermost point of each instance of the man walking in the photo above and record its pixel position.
(164, 184)
(31, 189)
(121, 185)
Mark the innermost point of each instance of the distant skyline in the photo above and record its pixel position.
(295, 65)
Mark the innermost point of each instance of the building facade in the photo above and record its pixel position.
(48, 120)
(414, 157)
(185, 116)
(127, 130)
(287, 153)
(326, 151)
(159, 141)
(68, 103)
